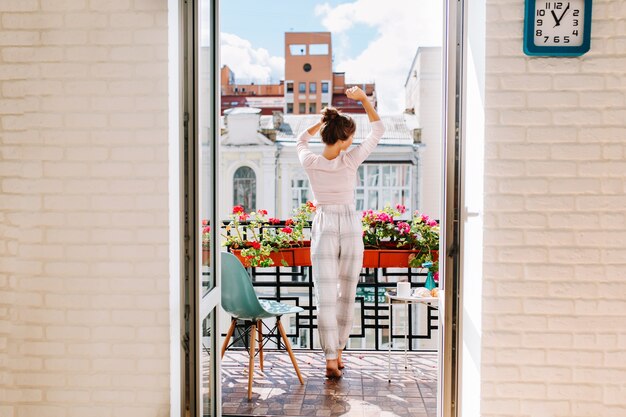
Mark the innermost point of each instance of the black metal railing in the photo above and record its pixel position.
(294, 285)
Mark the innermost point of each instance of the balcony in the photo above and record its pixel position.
(366, 388)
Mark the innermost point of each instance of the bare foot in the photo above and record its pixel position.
(340, 364)
(332, 371)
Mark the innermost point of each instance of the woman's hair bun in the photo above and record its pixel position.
(329, 113)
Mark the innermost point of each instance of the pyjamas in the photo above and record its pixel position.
(337, 257)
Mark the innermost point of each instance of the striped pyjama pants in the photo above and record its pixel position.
(337, 258)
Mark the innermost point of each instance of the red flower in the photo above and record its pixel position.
(401, 208)
(436, 276)
(262, 212)
(238, 209)
(243, 217)
(289, 222)
(287, 230)
(311, 206)
(273, 220)
(205, 222)
(255, 245)
(206, 229)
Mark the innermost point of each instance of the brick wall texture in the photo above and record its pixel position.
(554, 306)
(84, 327)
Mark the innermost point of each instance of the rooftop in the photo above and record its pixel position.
(398, 128)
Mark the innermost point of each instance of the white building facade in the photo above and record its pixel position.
(260, 167)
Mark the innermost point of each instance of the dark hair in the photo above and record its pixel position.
(336, 126)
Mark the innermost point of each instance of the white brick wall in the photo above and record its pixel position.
(554, 305)
(84, 327)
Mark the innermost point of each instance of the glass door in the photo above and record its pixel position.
(205, 122)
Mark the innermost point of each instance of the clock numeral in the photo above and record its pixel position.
(575, 33)
(557, 39)
(565, 39)
(576, 12)
(541, 12)
(538, 32)
(539, 22)
(547, 5)
(546, 39)
(575, 22)
(558, 5)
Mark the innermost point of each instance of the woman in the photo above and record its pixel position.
(336, 233)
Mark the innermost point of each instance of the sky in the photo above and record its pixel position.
(373, 40)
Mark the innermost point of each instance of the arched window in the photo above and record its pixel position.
(244, 188)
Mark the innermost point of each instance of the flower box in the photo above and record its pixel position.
(391, 258)
(284, 257)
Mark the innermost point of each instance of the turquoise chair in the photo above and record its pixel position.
(240, 301)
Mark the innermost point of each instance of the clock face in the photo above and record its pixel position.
(559, 23)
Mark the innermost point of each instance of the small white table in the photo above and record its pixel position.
(430, 301)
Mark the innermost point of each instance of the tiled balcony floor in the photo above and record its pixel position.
(364, 390)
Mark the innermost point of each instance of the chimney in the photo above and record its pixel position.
(277, 118)
(417, 135)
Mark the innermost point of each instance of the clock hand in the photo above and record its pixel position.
(562, 15)
(556, 19)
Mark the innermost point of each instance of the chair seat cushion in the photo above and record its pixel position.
(278, 309)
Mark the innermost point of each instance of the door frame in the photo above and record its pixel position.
(453, 103)
(194, 305)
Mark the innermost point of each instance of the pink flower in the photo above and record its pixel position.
(431, 223)
(425, 218)
(238, 209)
(206, 229)
(384, 218)
(273, 220)
(401, 208)
(287, 230)
(243, 217)
(404, 227)
(436, 276)
(262, 212)
(205, 222)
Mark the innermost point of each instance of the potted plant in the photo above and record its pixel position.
(402, 244)
(260, 241)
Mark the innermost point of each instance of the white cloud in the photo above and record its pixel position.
(402, 26)
(248, 63)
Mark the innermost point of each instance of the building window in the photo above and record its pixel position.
(312, 108)
(299, 192)
(289, 107)
(302, 88)
(290, 87)
(318, 49)
(244, 188)
(324, 105)
(325, 87)
(297, 49)
(302, 108)
(382, 184)
(313, 87)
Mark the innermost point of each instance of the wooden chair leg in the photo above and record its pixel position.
(288, 346)
(259, 327)
(231, 330)
(252, 336)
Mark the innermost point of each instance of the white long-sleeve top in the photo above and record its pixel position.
(333, 181)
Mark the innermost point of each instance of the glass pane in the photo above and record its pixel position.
(205, 109)
(372, 200)
(207, 369)
(386, 175)
(372, 175)
(360, 173)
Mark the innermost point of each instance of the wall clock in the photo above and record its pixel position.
(557, 28)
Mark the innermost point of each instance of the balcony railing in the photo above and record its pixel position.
(294, 285)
